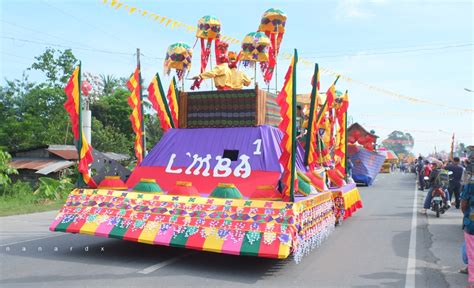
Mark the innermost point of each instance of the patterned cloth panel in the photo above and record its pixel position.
(271, 229)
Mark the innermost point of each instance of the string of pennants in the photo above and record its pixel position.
(171, 23)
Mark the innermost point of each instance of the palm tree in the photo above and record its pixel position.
(109, 84)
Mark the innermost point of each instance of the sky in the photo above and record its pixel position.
(416, 49)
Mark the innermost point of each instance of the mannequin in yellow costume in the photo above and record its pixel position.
(225, 75)
(238, 78)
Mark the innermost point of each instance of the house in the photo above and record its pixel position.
(54, 160)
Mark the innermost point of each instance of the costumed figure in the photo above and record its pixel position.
(221, 74)
(238, 78)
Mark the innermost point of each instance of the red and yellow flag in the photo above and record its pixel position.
(160, 103)
(134, 100)
(340, 147)
(173, 102)
(287, 101)
(311, 155)
(72, 102)
(73, 107)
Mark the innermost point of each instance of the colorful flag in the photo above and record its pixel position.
(73, 101)
(340, 149)
(173, 102)
(311, 143)
(73, 107)
(160, 103)
(135, 102)
(287, 101)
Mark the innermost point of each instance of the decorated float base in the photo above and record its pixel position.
(272, 229)
(346, 201)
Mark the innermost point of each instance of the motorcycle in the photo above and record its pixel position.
(426, 182)
(438, 200)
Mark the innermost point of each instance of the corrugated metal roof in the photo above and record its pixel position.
(65, 154)
(68, 152)
(59, 165)
(33, 164)
(116, 156)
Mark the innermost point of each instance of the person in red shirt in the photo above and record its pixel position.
(427, 169)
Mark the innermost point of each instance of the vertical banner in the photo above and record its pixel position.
(73, 106)
(160, 103)
(135, 102)
(311, 143)
(287, 101)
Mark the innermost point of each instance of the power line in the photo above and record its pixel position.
(68, 47)
(87, 23)
(397, 52)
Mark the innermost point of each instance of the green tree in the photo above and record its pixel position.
(57, 65)
(109, 84)
(399, 142)
(5, 169)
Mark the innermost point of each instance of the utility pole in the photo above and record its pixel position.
(141, 104)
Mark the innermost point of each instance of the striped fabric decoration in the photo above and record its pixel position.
(160, 103)
(287, 101)
(311, 156)
(340, 147)
(271, 229)
(134, 100)
(173, 102)
(73, 107)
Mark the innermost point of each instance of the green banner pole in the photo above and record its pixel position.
(313, 108)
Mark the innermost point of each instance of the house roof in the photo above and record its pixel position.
(357, 126)
(68, 152)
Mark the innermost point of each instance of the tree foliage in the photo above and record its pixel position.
(57, 65)
(399, 142)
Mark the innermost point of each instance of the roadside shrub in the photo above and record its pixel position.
(53, 189)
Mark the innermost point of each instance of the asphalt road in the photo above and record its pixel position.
(375, 248)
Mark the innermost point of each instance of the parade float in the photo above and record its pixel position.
(361, 149)
(390, 160)
(230, 174)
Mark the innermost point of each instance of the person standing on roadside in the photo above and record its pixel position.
(419, 169)
(455, 182)
(467, 208)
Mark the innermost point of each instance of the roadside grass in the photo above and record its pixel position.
(20, 199)
(17, 206)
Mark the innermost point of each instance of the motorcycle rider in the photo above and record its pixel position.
(435, 183)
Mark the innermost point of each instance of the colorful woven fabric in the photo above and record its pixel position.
(270, 229)
(73, 107)
(346, 203)
(135, 102)
(287, 101)
(160, 103)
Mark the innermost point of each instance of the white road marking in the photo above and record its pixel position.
(160, 265)
(29, 240)
(411, 265)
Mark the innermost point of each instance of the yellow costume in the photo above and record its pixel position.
(222, 76)
(239, 79)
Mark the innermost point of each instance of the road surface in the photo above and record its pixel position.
(385, 244)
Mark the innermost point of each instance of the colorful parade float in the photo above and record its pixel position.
(237, 171)
(390, 161)
(366, 162)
